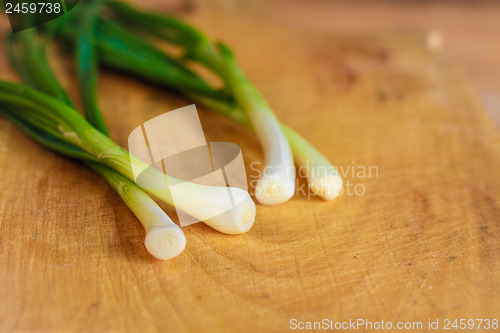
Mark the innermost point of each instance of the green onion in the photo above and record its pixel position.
(277, 184)
(245, 104)
(164, 239)
(59, 127)
(66, 124)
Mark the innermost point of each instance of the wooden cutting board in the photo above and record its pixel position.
(414, 237)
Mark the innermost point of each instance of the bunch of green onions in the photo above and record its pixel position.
(97, 31)
(46, 113)
(121, 42)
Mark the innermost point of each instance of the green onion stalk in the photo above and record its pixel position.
(238, 100)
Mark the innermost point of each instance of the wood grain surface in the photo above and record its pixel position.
(414, 237)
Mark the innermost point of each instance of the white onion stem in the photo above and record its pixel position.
(323, 178)
(277, 183)
(164, 239)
